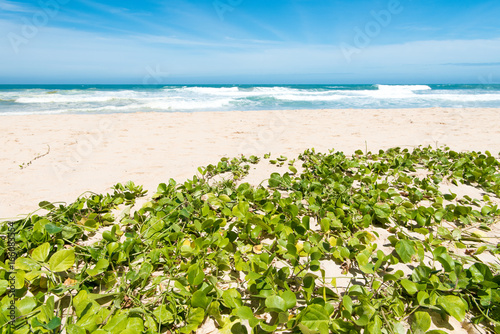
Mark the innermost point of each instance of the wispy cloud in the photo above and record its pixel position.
(118, 40)
(417, 28)
(176, 41)
(226, 42)
(11, 6)
(115, 10)
(473, 64)
(90, 57)
(253, 41)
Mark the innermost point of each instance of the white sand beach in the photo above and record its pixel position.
(94, 152)
(56, 158)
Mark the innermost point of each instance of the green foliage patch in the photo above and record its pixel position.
(253, 258)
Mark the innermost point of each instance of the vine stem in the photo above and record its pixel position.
(389, 327)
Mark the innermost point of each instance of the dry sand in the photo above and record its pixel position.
(94, 152)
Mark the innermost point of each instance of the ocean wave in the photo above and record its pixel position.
(226, 98)
(160, 105)
(211, 90)
(33, 112)
(77, 96)
(399, 88)
(311, 98)
(464, 98)
(393, 91)
(63, 99)
(181, 104)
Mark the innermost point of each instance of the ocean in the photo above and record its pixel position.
(99, 99)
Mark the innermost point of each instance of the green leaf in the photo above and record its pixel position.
(99, 268)
(53, 324)
(117, 323)
(421, 221)
(74, 329)
(364, 263)
(26, 264)
(362, 259)
(382, 210)
(225, 198)
(108, 236)
(195, 275)
(91, 224)
(405, 250)
(275, 180)
(480, 250)
(52, 229)
(163, 315)
(325, 224)
(81, 302)
(4, 284)
(240, 211)
(269, 328)
(46, 205)
(200, 299)
(480, 272)
(347, 303)
(421, 322)
(231, 298)
(290, 299)
(276, 304)
(409, 286)
(111, 247)
(150, 323)
(421, 273)
(130, 331)
(20, 275)
(26, 305)
(375, 326)
(447, 262)
(314, 317)
(62, 260)
(308, 283)
(454, 306)
(41, 252)
(365, 312)
(246, 313)
(422, 297)
(134, 325)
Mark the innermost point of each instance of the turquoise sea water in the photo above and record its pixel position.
(86, 99)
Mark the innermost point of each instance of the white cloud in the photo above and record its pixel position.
(11, 6)
(56, 53)
(431, 52)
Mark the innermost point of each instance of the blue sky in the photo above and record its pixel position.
(249, 41)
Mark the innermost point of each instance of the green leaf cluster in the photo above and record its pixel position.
(255, 258)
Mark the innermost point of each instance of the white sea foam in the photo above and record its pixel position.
(395, 91)
(181, 104)
(399, 88)
(178, 98)
(62, 99)
(465, 98)
(310, 98)
(211, 90)
(34, 112)
(156, 105)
